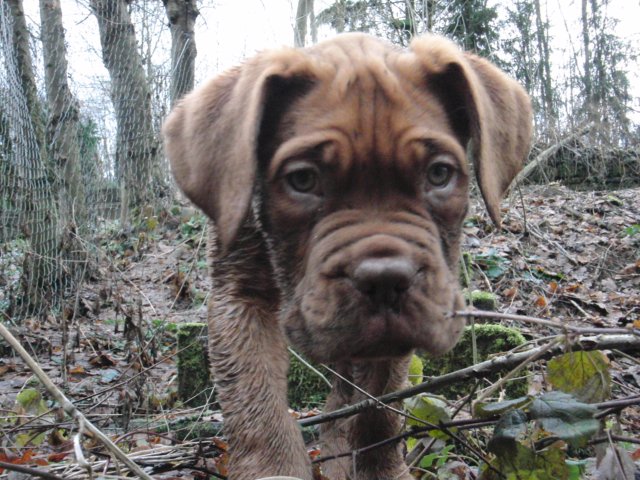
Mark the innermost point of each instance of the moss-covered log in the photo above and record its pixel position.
(194, 381)
(490, 339)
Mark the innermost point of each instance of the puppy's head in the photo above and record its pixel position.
(353, 155)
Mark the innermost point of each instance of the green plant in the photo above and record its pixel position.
(632, 230)
(194, 225)
(525, 440)
(305, 387)
(491, 262)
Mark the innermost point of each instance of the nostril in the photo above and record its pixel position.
(385, 278)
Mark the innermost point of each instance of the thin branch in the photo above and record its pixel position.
(34, 472)
(471, 423)
(69, 407)
(628, 342)
(516, 369)
(548, 323)
(309, 366)
(615, 438)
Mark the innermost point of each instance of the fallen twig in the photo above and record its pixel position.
(69, 407)
(34, 472)
(628, 342)
(548, 323)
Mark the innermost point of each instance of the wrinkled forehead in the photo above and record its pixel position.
(369, 100)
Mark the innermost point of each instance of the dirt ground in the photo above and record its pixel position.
(563, 255)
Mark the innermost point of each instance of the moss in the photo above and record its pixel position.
(305, 387)
(484, 300)
(490, 340)
(194, 382)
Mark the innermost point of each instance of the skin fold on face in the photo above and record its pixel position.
(343, 209)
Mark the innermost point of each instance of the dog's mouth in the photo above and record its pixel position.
(389, 332)
(357, 329)
(384, 334)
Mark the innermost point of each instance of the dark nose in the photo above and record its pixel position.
(384, 279)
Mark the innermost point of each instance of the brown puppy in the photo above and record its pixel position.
(336, 180)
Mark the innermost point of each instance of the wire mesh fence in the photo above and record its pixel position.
(77, 159)
(69, 170)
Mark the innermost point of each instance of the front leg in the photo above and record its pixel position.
(249, 361)
(335, 436)
(376, 377)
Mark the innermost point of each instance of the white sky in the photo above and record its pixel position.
(229, 30)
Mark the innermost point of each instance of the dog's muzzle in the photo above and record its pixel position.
(384, 280)
(374, 288)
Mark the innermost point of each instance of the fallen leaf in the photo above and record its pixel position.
(510, 292)
(541, 302)
(102, 360)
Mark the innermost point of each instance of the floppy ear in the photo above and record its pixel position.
(211, 136)
(486, 108)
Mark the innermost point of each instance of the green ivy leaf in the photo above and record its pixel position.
(576, 469)
(585, 375)
(526, 464)
(486, 410)
(28, 398)
(436, 459)
(562, 415)
(31, 402)
(30, 438)
(415, 370)
(511, 427)
(429, 409)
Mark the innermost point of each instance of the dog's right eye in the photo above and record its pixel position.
(303, 179)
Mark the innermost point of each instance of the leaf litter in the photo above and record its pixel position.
(565, 255)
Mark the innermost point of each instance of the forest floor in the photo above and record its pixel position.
(568, 256)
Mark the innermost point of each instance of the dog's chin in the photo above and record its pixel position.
(372, 335)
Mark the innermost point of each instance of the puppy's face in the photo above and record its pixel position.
(364, 189)
(353, 153)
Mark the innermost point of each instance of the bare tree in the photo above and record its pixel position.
(136, 142)
(304, 16)
(588, 89)
(62, 116)
(606, 88)
(546, 89)
(38, 216)
(25, 67)
(182, 15)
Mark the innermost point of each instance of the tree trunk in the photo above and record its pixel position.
(37, 213)
(341, 15)
(25, 68)
(63, 117)
(182, 16)
(430, 6)
(546, 89)
(600, 90)
(410, 19)
(304, 14)
(588, 87)
(136, 143)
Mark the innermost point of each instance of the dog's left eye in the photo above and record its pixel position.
(439, 174)
(303, 180)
